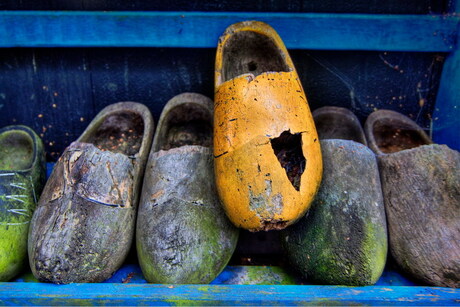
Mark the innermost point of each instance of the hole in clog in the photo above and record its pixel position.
(16, 150)
(391, 138)
(188, 124)
(250, 52)
(273, 225)
(288, 150)
(252, 66)
(120, 133)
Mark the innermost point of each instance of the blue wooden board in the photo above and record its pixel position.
(202, 29)
(150, 294)
(242, 285)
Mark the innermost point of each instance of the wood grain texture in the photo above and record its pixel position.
(421, 188)
(84, 223)
(342, 240)
(202, 30)
(183, 235)
(138, 294)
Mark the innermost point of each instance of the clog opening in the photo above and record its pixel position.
(392, 138)
(251, 52)
(288, 150)
(339, 126)
(120, 132)
(16, 150)
(187, 124)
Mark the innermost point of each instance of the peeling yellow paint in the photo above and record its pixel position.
(249, 112)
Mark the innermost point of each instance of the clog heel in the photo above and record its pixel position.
(22, 176)
(421, 189)
(267, 154)
(84, 223)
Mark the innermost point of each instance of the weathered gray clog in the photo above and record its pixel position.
(183, 235)
(421, 188)
(84, 223)
(343, 238)
(22, 176)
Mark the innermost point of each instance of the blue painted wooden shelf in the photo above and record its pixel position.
(419, 33)
(202, 30)
(236, 285)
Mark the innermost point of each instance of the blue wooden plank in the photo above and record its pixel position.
(139, 294)
(446, 117)
(241, 275)
(199, 29)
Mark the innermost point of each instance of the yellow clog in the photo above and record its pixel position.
(267, 154)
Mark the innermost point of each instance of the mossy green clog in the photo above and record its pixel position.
(343, 238)
(183, 235)
(22, 176)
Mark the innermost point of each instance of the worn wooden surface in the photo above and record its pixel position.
(80, 232)
(342, 240)
(421, 188)
(22, 177)
(202, 29)
(183, 235)
(150, 294)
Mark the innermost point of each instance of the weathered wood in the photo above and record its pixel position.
(265, 295)
(84, 223)
(267, 155)
(389, 132)
(202, 29)
(421, 188)
(22, 177)
(338, 123)
(342, 239)
(183, 235)
(83, 226)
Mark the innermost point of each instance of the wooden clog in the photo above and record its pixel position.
(83, 226)
(343, 238)
(421, 188)
(183, 235)
(389, 131)
(22, 176)
(338, 123)
(267, 155)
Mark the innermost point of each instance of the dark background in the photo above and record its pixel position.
(57, 91)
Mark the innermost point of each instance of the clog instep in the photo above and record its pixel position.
(266, 150)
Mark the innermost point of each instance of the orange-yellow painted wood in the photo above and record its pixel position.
(250, 111)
